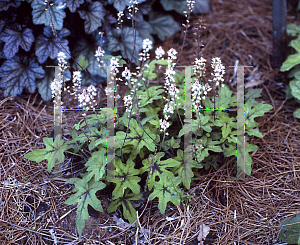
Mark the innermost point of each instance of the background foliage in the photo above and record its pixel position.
(27, 44)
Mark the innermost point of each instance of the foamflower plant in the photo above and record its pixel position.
(149, 153)
(149, 147)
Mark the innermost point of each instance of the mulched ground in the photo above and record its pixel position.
(236, 211)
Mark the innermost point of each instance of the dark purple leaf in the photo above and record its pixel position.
(41, 15)
(14, 38)
(16, 75)
(46, 44)
(93, 16)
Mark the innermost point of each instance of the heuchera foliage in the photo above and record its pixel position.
(27, 43)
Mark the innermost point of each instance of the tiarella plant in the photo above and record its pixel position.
(149, 143)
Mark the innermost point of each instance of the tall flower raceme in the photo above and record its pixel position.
(198, 89)
(127, 98)
(147, 45)
(76, 83)
(132, 9)
(132, 80)
(171, 89)
(219, 71)
(57, 85)
(86, 97)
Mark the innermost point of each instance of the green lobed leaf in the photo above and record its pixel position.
(184, 171)
(148, 96)
(288, 92)
(96, 164)
(230, 150)
(166, 192)
(246, 167)
(125, 177)
(254, 132)
(54, 150)
(171, 143)
(296, 45)
(204, 124)
(224, 98)
(228, 124)
(85, 196)
(258, 111)
(155, 167)
(128, 211)
(137, 138)
(253, 93)
(294, 71)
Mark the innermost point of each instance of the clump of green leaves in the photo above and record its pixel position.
(293, 63)
(149, 157)
(139, 142)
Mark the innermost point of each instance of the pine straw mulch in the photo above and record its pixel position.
(236, 211)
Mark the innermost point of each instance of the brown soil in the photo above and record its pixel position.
(235, 30)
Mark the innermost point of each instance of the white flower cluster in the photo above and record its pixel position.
(199, 69)
(86, 97)
(159, 52)
(197, 90)
(61, 61)
(76, 84)
(114, 62)
(128, 102)
(170, 87)
(132, 8)
(147, 45)
(190, 4)
(126, 74)
(55, 86)
(132, 81)
(219, 71)
(120, 14)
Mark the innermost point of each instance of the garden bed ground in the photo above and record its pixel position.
(31, 203)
